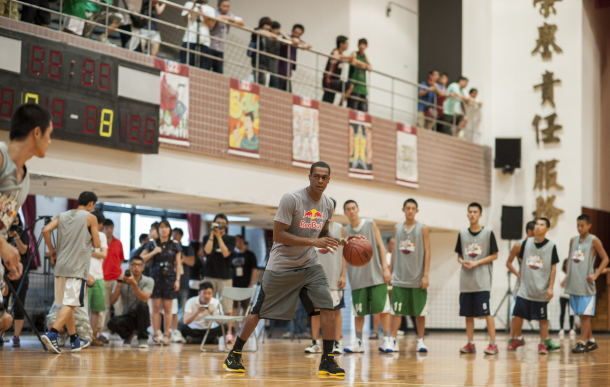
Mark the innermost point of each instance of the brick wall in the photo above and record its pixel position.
(448, 167)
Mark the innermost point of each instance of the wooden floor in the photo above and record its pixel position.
(282, 363)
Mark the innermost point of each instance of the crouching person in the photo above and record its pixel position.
(195, 311)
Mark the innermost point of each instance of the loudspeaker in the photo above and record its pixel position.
(508, 154)
(512, 222)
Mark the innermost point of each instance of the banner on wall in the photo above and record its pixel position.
(406, 156)
(305, 132)
(360, 145)
(174, 104)
(244, 118)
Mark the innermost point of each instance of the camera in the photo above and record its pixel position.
(216, 226)
(165, 267)
(18, 228)
(127, 273)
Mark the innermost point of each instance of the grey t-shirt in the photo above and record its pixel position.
(306, 218)
(538, 261)
(128, 296)
(475, 247)
(409, 254)
(580, 266)
(74, 245)
(370, 274)
(12, 191)
(332, 262)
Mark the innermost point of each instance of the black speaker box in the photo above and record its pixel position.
(512, 222)
(508, 153)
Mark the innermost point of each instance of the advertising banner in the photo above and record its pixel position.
(174, 104)
(360, 145)
(305, 132)
(244, 118)
(406, 156)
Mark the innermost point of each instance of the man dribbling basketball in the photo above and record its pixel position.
(368, 282)
(302, 223)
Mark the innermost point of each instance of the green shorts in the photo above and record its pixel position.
(409, 301)
(371, 300)
(97, 296)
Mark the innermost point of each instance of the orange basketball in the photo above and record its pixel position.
(357, 252)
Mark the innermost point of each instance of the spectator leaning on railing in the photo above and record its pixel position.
(357, 72)
(97, 14)
(273, 46)
(428, 98)
(221, 30)
(452, 107)
(332, 74)
(156, 10)
(262, 36)
(290, 52)
(197, 37)
(35, 15)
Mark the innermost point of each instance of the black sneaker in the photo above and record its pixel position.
(580, 348)
(591, 346)
(329, 366)
(234, 362)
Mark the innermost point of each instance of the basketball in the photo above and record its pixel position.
(358, 252)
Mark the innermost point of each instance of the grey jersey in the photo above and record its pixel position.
(580, 266)
(12, 192)
(536, 270)
(332, 263)
(409, 256)
(370, 274)
(516, 288)
(74, 245)
(476, 248)
(306, 219)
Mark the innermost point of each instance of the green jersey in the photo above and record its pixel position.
(358, 74)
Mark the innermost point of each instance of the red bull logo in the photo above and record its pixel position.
(313, 214)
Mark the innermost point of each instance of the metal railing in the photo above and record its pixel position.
(389, 96)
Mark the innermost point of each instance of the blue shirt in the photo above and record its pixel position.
(429, 98)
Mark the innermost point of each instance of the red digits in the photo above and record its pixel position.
(60, 113)
(38, 61)
(133, 127)
(8, 103)
(89, 119)
(149, 129)
(54, 64)
(105, 85)
(87, 72)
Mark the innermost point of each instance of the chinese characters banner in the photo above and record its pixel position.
(174, 105)
(305, 132)
(360, 145)
(406, 156)
(244, 118)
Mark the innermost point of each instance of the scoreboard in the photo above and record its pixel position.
(93, 98)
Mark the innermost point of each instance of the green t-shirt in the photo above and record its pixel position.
(94, 8)
(453, 106)
(359, 74)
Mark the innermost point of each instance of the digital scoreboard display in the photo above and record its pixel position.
(81, 90)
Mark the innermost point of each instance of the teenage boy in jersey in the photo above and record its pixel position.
(76, 230)
(334, 268)
(410, 266)
(369, 282)
(477, 249)
(539, 257)
(97, 293)
(293, 271)
(580, 282)
(514, 253)
(30, 136)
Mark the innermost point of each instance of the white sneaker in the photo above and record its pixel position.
(337, 348)
(314, 348)
(176, 337)
(421, 347)
(572, 334)
(142, 343)
(388, 345)
(356, 348)
(400, 333)
(393, 339)
(159, 337)
(561, 334)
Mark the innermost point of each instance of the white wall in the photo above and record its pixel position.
(47, 206)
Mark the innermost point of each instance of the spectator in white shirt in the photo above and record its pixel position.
(221, 30)
(197, 37)
(195, 312)
(97, 293)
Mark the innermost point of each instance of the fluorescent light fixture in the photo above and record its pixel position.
(238, 219)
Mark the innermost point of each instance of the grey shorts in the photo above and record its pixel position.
(280, 291)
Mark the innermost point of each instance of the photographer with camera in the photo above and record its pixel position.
(219, 249)
(195, 311)
(135, 289)
(165, 271)
(197, 36)
(20, 240)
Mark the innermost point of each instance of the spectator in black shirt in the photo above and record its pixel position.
(188, 260)
(264, 33)
(245, 271)
(143, 239)
(218, 248)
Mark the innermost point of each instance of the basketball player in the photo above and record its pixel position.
(580, 282)
(514, 252)
(411, 265)
(477, 249)
(539, 257)
(334, 267)
(293, 271)
(369, 282)
(76, 230)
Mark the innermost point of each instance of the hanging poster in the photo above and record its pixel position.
(406, 156)
(305, 132)
(174, 104)
(244, 119)
(360, 145)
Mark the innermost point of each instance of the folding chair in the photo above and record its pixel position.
(234, 294)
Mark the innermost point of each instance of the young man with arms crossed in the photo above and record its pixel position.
(369, 282)
(514, 253)
(539, 257)
(302, 223)
(97, 293)
(410, 265)
(477, 249)
(334, 267)
(580, 282)
(76, 232)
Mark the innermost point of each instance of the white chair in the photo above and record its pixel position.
(234, 294)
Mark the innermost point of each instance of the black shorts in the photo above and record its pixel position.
(164, 284)
(474, 304)
(530, 310)
(337, 85)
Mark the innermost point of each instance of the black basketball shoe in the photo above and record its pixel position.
(234, 362)
(329, 366)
